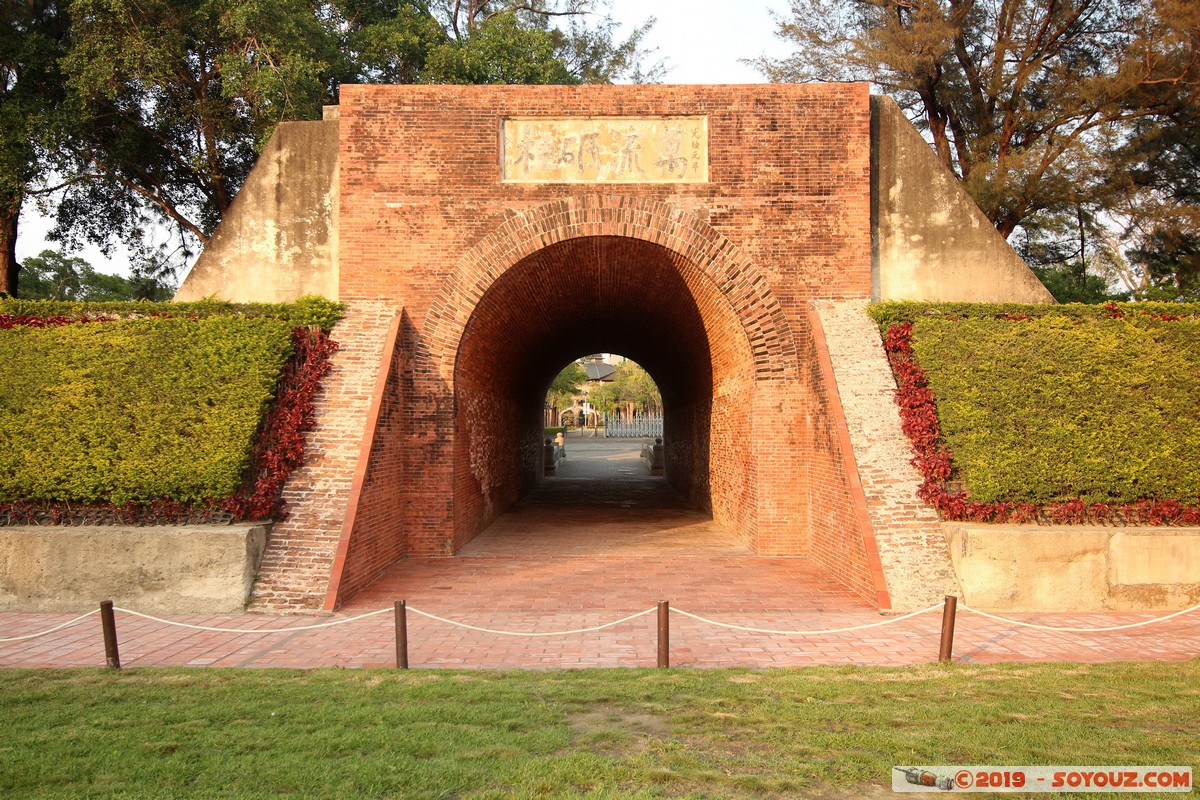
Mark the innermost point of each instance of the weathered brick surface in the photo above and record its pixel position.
(706, 284)
(369, 542)
(295, 569)
(912, 546)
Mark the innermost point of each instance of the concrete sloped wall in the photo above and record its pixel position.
(279, 239)
(929, 240)
(156, 569)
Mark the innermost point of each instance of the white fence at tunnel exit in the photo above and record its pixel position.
(633, 428)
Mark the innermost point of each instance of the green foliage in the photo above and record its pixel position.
(499, 50)
(1067, 405)
(1075, 286)
(632, 384)
(135, 410)
(1169, 257)
(173, 102)
(1156, 194)
(566, 386)
(53, 276)
(600, 734)
(164, 105)
(603, 398)
(33, 36)
(568, 381)
(305, 311)
(895, 312)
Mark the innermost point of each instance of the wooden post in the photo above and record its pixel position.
(664, 634)
(947, 644)
(108, 623)
(401, 635)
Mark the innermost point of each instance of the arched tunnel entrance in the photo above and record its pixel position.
(612, 294)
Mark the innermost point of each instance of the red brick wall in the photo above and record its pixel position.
(707, 285)
(301, 549)
(369, 543)
(843, 540)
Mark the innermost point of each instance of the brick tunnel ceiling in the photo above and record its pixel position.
(590, 295)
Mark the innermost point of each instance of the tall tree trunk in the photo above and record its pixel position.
(10, 215)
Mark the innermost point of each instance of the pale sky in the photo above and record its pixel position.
(704, 40)
(700, 41)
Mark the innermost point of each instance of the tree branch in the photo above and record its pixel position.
(156, 199)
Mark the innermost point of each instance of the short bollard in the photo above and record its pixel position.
(664, 634)
(401, 635)
(947, 644)
(112, 658)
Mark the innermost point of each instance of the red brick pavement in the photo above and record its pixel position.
(550, 565)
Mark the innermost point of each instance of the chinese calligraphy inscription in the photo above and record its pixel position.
(604, 150)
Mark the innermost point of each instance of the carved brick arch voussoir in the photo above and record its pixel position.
(522, 234)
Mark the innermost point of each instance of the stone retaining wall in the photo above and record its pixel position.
(185, 569)
(1075, 568)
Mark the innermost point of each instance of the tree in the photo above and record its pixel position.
(1070, 256)
(603, 399)
(566, 386)
(1023, 99)
(538, 41)
(173, 99)
(52, 276)
(632, 384)
(32, 38)
(1157, 208)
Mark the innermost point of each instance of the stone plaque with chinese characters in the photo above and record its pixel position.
(604, 149)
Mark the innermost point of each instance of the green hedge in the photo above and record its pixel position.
(892, 313)
(138, 409)
(305, 311)
(1075, 403)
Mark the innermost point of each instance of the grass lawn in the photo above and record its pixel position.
(820, 732)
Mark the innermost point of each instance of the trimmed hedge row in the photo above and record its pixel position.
(155, 412)
(894, 313)
(135, 410)
(304, 312)
(1060, 413)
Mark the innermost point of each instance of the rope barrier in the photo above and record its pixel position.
(750, 629)
(50, 630)
(526, 633)
(1079, 630)
(881, 623)
(253, 630)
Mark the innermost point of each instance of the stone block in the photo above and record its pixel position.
(195, 569)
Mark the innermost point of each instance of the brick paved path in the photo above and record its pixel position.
(596, 543)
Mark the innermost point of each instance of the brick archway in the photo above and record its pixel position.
(428, 207)
(524, 233)
(658, 285)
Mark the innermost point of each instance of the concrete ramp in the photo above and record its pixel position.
(929, 240)
(279, 239)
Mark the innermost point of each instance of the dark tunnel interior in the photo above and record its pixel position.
(601, 294)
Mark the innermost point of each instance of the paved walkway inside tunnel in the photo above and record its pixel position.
(603, 537)
(600, 541)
